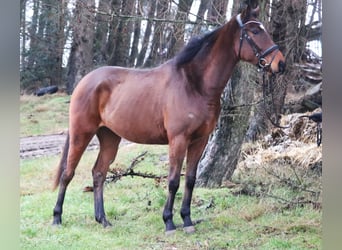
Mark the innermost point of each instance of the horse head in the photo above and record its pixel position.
(255, 44)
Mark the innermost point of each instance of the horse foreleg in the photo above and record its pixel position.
(194, 153)
(177, 148)
(109, 143)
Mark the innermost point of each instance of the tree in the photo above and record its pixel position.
(147, 34)
(81, 54)
(101, 30)
(42, 42)
(288, 29)
(120, 55)
(56, 40)
(23, 32)
(156, 55)
(221, 155)
(178, 33)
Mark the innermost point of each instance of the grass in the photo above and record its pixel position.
(228, 218)
(43, 115)
(134, 206)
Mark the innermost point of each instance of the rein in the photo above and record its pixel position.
(267, 86)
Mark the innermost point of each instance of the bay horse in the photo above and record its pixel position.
(176, 103)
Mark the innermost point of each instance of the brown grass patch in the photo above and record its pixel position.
(42, 108)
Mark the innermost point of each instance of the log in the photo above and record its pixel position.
(46, 90)
(311, 100)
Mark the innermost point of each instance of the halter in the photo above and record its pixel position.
(262, 62)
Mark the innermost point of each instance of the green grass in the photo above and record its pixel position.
(134, 206)
(228, 219)
(43, 115)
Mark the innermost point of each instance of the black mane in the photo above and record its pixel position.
(194, 46)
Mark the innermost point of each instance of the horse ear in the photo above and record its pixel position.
(249, 8)
(255, 12)
(252, 4)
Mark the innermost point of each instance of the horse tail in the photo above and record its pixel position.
(62, 163)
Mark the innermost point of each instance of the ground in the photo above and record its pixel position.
(44, 145)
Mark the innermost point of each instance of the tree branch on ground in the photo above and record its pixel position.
(118, 173)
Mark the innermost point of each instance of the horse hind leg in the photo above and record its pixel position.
(109, 143)
(73, 150)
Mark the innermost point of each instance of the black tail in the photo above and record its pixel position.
(62, 163)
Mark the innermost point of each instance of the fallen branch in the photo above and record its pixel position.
(118, 173)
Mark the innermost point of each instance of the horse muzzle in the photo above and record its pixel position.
(273, 64)
(281, 67)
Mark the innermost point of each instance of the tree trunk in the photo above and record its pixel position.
(217, 13)
(135, 43)
(55, 41)
(83, 38)
(146, 39)
(221, 155)
(23, 33)
(113, 28)
(33, 47)
(120, 56)
(102, 28)
(204, 6)
(157, 54)
(177, 39)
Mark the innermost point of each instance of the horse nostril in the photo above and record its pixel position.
(281, 67)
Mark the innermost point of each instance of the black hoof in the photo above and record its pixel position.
(104, 222)
(57, 221)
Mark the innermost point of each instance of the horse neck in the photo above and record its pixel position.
(216, 67)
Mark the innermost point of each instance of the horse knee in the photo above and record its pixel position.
(67, 177)
(98, 178)
(190, 181)
(173, 185)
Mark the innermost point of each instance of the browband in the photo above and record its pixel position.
(238, 19)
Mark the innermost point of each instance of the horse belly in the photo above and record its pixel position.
(139, 133)
(139, 127)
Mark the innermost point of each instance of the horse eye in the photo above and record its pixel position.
(256, 31)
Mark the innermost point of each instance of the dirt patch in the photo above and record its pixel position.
(46, 145)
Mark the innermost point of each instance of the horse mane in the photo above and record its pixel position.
(194, 46)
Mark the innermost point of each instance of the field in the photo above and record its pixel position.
(271, 203)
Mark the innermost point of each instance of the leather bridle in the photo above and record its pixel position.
(259, 53)
(262, 63)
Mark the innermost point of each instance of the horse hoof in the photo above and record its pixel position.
(189, 229)
(56, 222)
(170, 232)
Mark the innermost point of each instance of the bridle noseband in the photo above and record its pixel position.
(262, 62)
